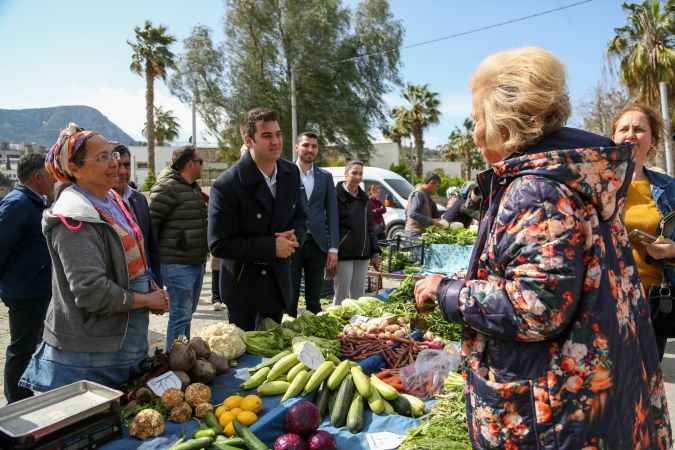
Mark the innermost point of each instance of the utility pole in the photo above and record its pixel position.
(294, 115)
(668, 143)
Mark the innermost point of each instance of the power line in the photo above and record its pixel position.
(464, 33)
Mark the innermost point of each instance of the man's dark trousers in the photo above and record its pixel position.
(26, 320)
(310, 259)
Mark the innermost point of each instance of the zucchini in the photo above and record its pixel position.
(296, 385)
(251, 440)
(361, 381)
(355, 414)
(319, 376)
(269, 362)
(233, 441)
(388, 409)
(212, 421)
(338, 375)
(331, 401)
(256, 379)
(343, 400)
(194, 444)
(387, 392)
(408, 405)
(177, 443)
(332, 358)
(272, 388)
(322, 397)
(206, 432)
(282, 367)
(294, 371)
(375, 402)
(220, 445)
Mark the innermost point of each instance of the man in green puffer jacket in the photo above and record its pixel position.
(179, 214)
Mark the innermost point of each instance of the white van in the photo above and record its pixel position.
(393, 187)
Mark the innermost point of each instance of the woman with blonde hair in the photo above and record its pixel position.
(558, 351)
(649, 203)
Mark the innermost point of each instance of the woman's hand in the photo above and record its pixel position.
(661, 249)
(426, 293)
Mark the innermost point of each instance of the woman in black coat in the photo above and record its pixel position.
(358, 236)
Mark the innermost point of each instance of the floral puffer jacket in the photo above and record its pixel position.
(558, 348)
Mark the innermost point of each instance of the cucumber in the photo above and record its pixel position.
(212, 421)
(207, 432)
(233, 441)
(194, 444)
(251, 440)
(319, 376)
(256, 379)
(322, 397)
(332, 358)
(387, 392)
(338, 375)
(294, 371)
(355, 414)
(281, 367)
(296, 385)
(177, 443)
(343, 401)
(222, 446)
(272, 388)
(361, 381)
(269, 362)
(375, 402)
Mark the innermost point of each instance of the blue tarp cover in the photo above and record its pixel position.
(270, 424)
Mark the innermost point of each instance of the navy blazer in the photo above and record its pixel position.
(25, 264)
(139, 205)
(243, 217)
(322, 211)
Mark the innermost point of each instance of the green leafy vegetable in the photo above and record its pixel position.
(438, 235)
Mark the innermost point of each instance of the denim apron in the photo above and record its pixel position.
(50, 368)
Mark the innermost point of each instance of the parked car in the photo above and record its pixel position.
(394, 190)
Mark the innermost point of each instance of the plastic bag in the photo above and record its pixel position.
(425, 377)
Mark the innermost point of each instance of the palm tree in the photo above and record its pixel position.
(645, 49)
(151, 59)
(423, 112)
(460, 142)
(166, 126)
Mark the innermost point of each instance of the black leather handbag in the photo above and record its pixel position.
(662, 298)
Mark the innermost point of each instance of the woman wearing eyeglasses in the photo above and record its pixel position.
(97, 322)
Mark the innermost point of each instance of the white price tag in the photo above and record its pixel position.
(160, 384)
(310, 355)
(383, 441)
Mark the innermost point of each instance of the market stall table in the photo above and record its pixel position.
(271, 422)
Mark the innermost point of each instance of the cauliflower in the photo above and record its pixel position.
(225, 339)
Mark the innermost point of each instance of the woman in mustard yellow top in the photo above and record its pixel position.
(651, 196)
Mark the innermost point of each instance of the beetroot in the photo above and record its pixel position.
(290, 441)
(321, 440)
(303, 418)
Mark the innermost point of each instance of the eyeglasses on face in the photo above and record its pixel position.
(105, 157)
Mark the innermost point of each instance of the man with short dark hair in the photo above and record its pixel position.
(256, 220)
(25, 268)
(138, 205)
(319, 249)
(421, 211)
(178, 212)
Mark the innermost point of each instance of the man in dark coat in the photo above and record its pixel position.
(139, 208)
(256, 219)
(25, 268)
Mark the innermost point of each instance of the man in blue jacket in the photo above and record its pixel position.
(319, 249)
(25, 268)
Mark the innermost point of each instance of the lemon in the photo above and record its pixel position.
(247, 418)
(236, 411)
(226, 418)
(232, 402)
(219, 410)
(252, 403)
(229, 429)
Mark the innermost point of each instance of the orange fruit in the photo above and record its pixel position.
(219, 410)
(229, 429)
(236, 411)
(232, 402)
(226, 418)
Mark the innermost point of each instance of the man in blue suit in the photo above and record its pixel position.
(319, 250)
(25, 268)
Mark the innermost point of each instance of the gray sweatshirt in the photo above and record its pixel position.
(90, 305)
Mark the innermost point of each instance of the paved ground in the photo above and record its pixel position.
(205, 315)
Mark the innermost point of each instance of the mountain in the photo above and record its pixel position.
(42, 125)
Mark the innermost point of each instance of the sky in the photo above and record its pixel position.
(74, 52)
